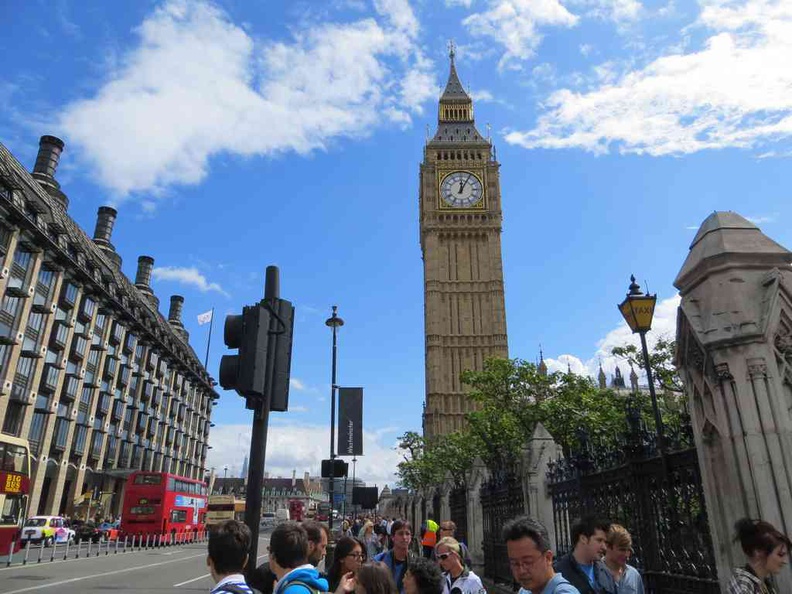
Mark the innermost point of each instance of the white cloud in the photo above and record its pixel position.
(187, 276)
(760, 219)
(663, 326)
(400, 14)
(300, 386)
(302, 448)
(244, 96)
(619, 11)
(734, 92)
(514, 24)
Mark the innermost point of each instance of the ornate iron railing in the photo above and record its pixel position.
(501, 500)
(657, 497)
(457, 501)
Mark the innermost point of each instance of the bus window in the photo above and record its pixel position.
(171, 483)
(148, 479)
(10, 509)
(178, 516)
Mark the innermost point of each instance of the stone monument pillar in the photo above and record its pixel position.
(734, 353)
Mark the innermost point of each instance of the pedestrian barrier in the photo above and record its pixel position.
(137, 542)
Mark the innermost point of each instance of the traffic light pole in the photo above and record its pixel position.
(258, 438)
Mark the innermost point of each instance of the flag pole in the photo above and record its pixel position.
(209, 341)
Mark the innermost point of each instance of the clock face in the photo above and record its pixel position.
(461, 189)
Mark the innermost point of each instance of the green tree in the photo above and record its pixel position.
(512, 396)
(418, 470)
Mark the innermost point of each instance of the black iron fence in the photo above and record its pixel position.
(657, 496)
(501, 500)
(457, 501)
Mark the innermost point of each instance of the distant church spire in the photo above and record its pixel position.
(633, 379)
(618, 379)
(601, 379)
(542, 365)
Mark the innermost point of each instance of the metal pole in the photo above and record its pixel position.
(258, 438)
(354, 505)
(658, 419)
(209, 340)
(333, 387)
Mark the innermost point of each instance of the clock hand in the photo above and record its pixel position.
(461, 185)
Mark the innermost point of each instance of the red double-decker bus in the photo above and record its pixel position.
(14, 490)
(162, 503)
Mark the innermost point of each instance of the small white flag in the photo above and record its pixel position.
(205, 318)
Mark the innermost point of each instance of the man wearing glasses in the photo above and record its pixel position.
(531, 560)
(458, 580)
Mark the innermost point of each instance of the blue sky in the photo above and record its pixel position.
(233, 134)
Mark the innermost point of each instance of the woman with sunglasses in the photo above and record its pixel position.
(458, 580)
(349, 555)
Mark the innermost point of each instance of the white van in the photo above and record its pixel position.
(282, 515)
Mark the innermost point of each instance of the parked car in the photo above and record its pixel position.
(281, 515)
(85, 531)
(46, 529)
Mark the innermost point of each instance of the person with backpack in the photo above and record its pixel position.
(229, 546)
(288, 560)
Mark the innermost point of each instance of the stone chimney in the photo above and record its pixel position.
(143, 279)
(105, 220)
(294, 478)
(175, 316)
(50, 149)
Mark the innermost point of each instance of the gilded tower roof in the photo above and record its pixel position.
(454, 91)
(455, 121)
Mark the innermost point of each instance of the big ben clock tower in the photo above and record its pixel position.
(460, 220)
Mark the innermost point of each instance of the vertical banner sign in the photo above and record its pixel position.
(350, 421)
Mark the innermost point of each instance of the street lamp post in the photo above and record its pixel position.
(354, 464)
(638, 311)
(334, 322)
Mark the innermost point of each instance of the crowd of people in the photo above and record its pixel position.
(367, 563)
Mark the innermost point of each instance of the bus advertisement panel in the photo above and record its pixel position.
(14, 490)
(163, 503)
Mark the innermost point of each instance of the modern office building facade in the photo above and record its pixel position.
(91, 374)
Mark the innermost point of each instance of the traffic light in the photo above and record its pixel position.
(246, 372)
(283, 352)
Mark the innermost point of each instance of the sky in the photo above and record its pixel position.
(236, 134)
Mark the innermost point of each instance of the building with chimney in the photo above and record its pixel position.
(91, 374)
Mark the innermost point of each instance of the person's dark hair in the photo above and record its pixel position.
(427, 575)
(344, 546)
(229, 544)
(400, 525)
(587, 526)
(315, 529)
(289, 545)
(263, 579)
(525, 526)
(759, 536)
(375, 578)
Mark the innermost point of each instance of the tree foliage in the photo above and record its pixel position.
(511, 396)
